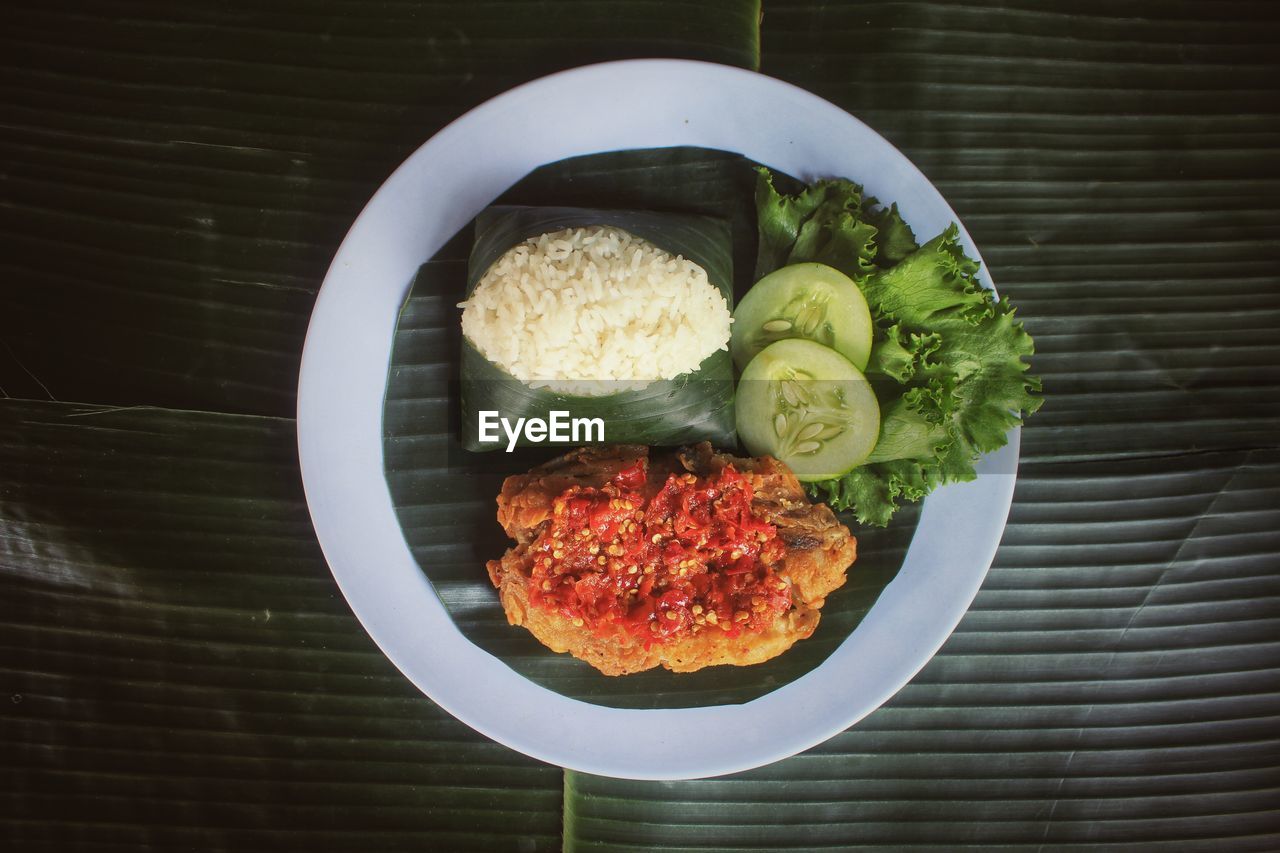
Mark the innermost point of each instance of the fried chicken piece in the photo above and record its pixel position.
(817, 551)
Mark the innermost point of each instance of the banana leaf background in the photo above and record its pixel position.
(179, 670)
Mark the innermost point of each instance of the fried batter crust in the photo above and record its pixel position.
(819, 549)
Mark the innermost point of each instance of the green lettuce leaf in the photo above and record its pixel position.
(948, 361)
(823, 223)
(894, 238)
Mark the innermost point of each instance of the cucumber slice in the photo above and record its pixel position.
(812, 301)
(807, 405)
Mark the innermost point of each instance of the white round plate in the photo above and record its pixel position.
(437, 191)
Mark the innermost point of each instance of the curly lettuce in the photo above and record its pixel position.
(948, 360)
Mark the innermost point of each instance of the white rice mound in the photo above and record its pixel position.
(594, 303)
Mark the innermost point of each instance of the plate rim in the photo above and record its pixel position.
(349, 512)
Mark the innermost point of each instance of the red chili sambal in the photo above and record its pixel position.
(693, 557)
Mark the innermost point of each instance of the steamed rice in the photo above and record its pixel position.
(594, 303)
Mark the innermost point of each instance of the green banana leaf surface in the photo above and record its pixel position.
(178, 665)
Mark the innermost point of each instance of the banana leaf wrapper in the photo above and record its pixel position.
(692, 407)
